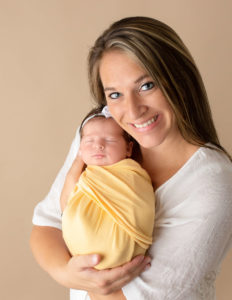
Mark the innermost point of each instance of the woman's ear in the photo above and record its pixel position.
(129, 149)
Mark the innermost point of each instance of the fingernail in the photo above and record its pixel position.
(141, 258)
(147, 260)
(147, 267)
(94, 259)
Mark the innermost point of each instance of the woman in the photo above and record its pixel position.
(141, 69)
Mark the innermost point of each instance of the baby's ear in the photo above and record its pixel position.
(129, 149)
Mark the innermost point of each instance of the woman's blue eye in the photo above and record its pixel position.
(147, 86)
(115, 95)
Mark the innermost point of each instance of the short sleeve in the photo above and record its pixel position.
(48, 211)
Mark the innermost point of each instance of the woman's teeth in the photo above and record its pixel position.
(147, 123)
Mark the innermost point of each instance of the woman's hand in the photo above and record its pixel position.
(80, 274)
(71, 179)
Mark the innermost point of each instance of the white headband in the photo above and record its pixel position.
(104, 113)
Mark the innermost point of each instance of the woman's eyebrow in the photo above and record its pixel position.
(109, 89)
(141, 78)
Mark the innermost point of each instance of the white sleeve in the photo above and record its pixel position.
(192, 236)
(48, 211)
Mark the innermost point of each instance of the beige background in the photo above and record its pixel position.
(44, 95)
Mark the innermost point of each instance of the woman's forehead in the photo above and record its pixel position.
(117, 67)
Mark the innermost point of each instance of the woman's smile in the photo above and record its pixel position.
(135, 101)
(147, 125)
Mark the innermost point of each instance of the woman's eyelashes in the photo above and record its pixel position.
(144, 87)
(147, 86)
(114, 95)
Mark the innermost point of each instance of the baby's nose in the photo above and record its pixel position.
(99, 146)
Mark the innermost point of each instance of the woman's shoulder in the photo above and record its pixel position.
(203, 183)
(212, 161)
(207, 168)
(209, 173)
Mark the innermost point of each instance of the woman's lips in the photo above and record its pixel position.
(148, 125)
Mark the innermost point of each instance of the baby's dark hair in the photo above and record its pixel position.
(94, 114)
(128, 138)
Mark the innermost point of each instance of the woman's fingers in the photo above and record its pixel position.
(134, 267)
(81, 274)
(105, 281)
(131, 272)
(87, 261)
(111, 280)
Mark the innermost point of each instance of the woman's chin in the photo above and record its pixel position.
(150, 142)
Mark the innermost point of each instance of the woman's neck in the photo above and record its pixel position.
(163, 161)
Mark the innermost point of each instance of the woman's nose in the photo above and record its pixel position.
(134, 107)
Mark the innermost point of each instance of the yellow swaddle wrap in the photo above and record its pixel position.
(111, 212)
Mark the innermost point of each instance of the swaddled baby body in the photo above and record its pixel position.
(111, 209)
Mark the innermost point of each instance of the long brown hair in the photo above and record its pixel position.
(161, 52)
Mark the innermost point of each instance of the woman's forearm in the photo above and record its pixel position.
(78, 272)
(71, 179)
(50, 251)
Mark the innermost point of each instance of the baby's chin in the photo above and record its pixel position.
(101, 162)
(97, 162)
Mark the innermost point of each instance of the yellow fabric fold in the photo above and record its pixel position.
(110, 212)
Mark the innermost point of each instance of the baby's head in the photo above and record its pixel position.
(103, 141)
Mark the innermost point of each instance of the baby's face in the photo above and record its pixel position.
(103, 142)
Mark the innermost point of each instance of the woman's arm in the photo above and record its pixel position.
(48, 211)
(77, 272)
(71, 179)
(72, 272)
(193, 232)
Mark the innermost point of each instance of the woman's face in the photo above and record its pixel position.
(135, 102)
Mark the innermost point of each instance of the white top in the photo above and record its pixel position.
(193, 228)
